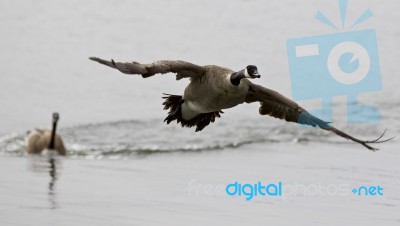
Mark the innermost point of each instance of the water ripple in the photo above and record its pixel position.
(132, 138)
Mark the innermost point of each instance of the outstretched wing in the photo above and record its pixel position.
(181, 68)
(276, 105)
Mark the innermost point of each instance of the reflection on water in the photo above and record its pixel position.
(53, 178)
(48, 163)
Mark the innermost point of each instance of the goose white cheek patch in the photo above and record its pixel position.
(246, 73)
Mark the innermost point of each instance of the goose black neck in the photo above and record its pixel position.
(53, 136)
(236, 77)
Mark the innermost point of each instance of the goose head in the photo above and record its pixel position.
(56, 116)
(249, 72)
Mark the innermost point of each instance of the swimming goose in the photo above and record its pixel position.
(39, 140)
(213, 88)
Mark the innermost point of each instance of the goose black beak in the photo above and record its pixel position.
(256, 75)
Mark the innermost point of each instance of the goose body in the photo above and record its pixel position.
(39, 140)
(213, 88)
(212, 92)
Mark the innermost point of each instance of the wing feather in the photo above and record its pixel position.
(278, 106)
(182, 69)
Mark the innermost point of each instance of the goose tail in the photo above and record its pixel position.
(173, 104)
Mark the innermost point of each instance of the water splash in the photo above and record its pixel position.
(129, 139)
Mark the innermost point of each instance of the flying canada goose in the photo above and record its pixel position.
(213, 88)
(39, 140)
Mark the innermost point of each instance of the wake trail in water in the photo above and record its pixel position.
(132, 138)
